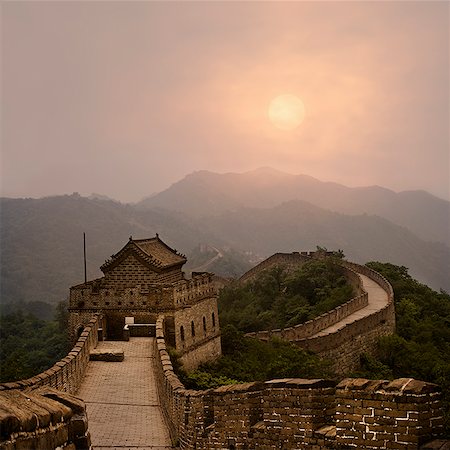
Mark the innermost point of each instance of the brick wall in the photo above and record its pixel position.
(40, 412)
(65, 375)
(129, 273)
(401, 414)
(344, 346)
(195, 325)
(296, 413)
(42, 419)
(290, 261)
(311, 327)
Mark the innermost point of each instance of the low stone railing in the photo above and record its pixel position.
(42, 418)
(40, 412)
(344, 345)
(138, 330)
(65, 375)
(298, 413)
(325, 320)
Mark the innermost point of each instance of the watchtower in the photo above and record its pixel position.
(142, 281)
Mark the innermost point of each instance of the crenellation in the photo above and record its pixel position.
(145, 279)
(295, 413)
(287, 413)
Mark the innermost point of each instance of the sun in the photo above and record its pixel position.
(286, 111)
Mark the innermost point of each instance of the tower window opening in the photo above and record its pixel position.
(192, 329)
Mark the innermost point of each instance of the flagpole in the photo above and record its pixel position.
(84, 251)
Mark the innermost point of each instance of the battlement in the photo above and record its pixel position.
(299, 413)
(142, 280)
(345, 339)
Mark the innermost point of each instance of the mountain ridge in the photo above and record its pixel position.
(204, 193)
(41, 239)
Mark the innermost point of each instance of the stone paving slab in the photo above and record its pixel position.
(122, 402)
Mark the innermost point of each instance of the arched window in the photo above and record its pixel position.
(213, 320)
(204, 324)
(192, 329)
(182, 332)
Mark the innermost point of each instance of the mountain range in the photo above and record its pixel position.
(206, 193)
(237, 218)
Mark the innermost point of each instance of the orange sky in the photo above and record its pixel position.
(125, 98)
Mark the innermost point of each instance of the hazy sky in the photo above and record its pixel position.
(124, 98)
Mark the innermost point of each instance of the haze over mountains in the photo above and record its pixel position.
(206, 193)
(241, 218)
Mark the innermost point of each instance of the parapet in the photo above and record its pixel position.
(295, 413)
(42, 418)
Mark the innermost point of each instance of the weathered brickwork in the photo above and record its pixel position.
(401, 414)
(311, 327)
(66, 375)
(290, 261)
(345, 345)
(144, 279)
(40, 412)
(197, 333)
(296, 413)
(42, 419)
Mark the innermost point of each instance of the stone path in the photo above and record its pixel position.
(378, 298)
(122, 400)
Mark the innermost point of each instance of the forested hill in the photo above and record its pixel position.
(42, 253)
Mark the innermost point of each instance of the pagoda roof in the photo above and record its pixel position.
(153, 251)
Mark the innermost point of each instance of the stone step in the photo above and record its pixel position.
(107, 354)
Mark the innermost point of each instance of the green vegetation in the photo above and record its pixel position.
(279, 299)
(29, 345)
(246, 359)
(421, 346)
(276, 298)
(225, 262)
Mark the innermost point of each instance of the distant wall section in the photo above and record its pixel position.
(345, 345)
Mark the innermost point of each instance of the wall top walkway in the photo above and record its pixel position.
(378, 299)
(122, 400)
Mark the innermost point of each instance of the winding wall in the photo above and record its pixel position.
(347, 331)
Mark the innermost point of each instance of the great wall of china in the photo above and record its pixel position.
(43, 413)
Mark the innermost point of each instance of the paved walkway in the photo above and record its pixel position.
(378, 298)
(122, 400)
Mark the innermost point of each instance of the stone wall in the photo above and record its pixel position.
(208, 350)
(196, 323)
(143, 302)
(296, 413)
(290, 261)
(344, 346)
(65, 375)
(311, 327)
(401, 414)
(40, 412)
(42, 419)
(131, 272)
(149, 296)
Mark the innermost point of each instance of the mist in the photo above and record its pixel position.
(125, 99)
